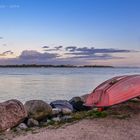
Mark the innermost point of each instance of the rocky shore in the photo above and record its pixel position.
(36, 112)
(34, 115)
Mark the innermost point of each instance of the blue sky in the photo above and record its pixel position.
(102, 24)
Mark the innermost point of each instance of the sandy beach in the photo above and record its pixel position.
(97, 129)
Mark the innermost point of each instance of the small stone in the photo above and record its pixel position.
(66, 118)
(56, 111)
(31, 122)
(95, 109)
(66, 111)
(17, 129)
(56, 119)
(22, 126)
(50, 122)
(8, 130)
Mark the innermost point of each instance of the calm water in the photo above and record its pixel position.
(53, 83)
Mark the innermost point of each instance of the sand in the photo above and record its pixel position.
(96, 129)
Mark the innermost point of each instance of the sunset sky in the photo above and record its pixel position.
(77, 32)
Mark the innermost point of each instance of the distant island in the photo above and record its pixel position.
(53, 66)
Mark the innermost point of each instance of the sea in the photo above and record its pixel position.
(50, 84)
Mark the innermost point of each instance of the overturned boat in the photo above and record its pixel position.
(114, 91)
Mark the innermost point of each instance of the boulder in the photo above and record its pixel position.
(31, 122)
(76, 99)
(61, 104)
(12, 113)
(84, 97)
(38, 109)
(78, 104)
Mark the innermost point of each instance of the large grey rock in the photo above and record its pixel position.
(76, 99)
(61, 104)
(12, 113)
(78, 103)
(84, 97)
(32, 122)
(38, 109)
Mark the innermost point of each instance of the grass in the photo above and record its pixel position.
(89, 114)
(77, 116)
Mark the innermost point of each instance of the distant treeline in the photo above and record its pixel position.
(53, 66)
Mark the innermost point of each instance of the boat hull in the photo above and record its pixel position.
(114, 91)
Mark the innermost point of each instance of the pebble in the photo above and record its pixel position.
(22, 126)
(8, 129)
(56, 111)
(56, 119)
(66, 111)
(66, 118)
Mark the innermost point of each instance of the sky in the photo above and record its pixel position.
(75, 32)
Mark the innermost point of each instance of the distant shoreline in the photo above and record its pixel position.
(53, 66)
(60, 66)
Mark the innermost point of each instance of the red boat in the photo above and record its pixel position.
(114, 91)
